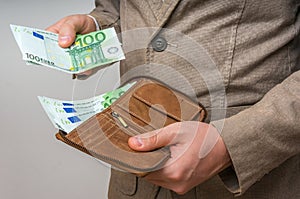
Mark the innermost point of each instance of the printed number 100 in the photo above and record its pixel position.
(89, 39)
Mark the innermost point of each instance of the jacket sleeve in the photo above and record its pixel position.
(262, 137)
(107, 13)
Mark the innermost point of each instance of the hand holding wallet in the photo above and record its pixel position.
(148, 105)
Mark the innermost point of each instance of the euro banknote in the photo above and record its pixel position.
(88, 51)
(67, 115)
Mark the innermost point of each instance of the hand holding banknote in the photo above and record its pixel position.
(69, 26)
(87, 51)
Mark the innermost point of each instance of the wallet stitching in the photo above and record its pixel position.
(106, 138)
(93, 125)
(102, 135)
(70, 135)
(92, 134)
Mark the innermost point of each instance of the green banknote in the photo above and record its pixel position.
(67, 115)
(88, 51)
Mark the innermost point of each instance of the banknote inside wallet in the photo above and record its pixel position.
(148, 105)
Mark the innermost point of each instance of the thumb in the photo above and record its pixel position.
(67, 28)
(66, 35)
(152, 140)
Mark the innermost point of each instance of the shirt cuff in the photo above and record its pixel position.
(98, 27)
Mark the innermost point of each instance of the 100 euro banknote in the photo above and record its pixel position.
(88, 51)
(67, 115)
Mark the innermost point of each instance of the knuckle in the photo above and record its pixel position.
(180, 190)
(176, 177)
(154, 140)
(175, 125)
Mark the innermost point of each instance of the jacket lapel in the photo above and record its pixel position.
(155, 12)
(162, 10)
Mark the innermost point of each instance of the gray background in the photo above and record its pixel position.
(33, 164)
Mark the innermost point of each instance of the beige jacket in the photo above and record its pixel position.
(241, 59)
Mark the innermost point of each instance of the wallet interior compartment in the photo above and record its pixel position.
(138, 126)
(104, 129)
(93, 127)
(93, 132)
(141, 112)
(158, 106)
(170, 102)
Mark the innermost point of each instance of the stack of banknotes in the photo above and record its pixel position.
(67, 115)
(88, 51)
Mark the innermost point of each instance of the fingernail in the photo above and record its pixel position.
(64, 39)
(138, 141)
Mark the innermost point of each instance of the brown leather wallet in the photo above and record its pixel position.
(146, 106)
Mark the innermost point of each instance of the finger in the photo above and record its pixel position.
(155, 139)
(53, 29)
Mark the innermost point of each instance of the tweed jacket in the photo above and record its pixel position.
(241, 60)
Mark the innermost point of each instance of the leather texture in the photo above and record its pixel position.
(148, 105)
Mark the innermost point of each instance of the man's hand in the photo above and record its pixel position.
(67, 27)
(197, 153)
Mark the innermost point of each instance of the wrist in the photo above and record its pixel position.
(97, 26)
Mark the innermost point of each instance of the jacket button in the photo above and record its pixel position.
(159, 44)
